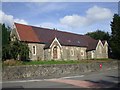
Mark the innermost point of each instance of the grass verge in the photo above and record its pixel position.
(16, 62)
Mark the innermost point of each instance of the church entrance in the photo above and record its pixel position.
(55, 52)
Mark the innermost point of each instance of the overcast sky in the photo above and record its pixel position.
(77, 17)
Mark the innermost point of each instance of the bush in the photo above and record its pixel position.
(16, 50)
(6, 52)
(12, 49)
(12, 62)
(23, 51)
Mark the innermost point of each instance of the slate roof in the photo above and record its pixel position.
(46, 36)
(26, 33)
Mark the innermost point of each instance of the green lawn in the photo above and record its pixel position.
(64, 62)
(50, 62)
(16, 62)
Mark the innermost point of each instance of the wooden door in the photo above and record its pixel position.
(55, 53)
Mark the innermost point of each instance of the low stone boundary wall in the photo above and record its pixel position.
(53, 71)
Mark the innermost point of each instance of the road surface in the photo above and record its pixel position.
(101, 79)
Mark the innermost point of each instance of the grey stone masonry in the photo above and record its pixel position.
(53, 71)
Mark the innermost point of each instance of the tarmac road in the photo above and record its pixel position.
(101, 79)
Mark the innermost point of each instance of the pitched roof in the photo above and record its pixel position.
(26, 33)
(45, 35)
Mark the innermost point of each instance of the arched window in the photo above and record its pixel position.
(92, 54)
(13, 38)
(72, 52)
(34, 50)
(82, 53)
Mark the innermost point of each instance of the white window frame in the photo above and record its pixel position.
(92, 54)
(33, 50)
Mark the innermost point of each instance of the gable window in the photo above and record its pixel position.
(72, 52)
(34, 50)
(13, 38)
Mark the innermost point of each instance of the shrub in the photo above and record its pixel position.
(6, 52)
(12, 62)
(23, 51)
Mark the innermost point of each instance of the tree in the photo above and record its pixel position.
(19, 50)
(13, 49)
(99, 35)
(24, 51)
(5, 35)
(6, 52)
(0, 41)
(5, 42)
(115, 36)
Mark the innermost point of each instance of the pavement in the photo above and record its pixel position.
(101, 79)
